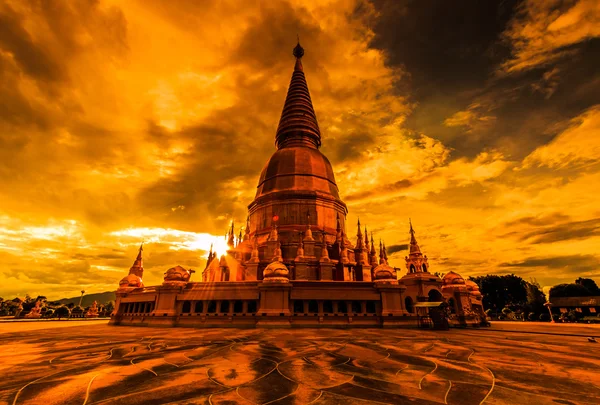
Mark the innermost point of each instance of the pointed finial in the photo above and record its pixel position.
(298, 50)
(247, 229)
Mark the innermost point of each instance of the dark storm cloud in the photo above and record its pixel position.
(396, 248)
(539, 221)
(31, 57)
(565, 231)
(444, 46)
(382, 190)
(569, 264)
(453, 55)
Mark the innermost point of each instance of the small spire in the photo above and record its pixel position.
(139, 256)
(385, 253)
(273, 235)
(324, 251)
(359, 237)
(231, 237)
(277, 257)
(138, 268)
(372, 245)
(300, 250)
(414, 246)
(247, 230)
(366, 239)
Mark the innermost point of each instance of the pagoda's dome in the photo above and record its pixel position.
(276, 271)
(177, 274)
(298, 170)
(453, 278)
(384, 272)
(471, 285)
(131, 281)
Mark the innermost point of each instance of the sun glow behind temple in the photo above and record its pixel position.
(175, 239)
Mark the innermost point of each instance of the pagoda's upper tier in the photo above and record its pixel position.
(298, 169)
(298, 125)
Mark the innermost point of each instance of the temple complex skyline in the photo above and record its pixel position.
(123, 123)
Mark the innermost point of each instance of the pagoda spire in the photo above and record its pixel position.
(366, 240)
(414, 246)
(247, 230)
(231, 240)
(359, 237)
(138, 267)
(298, 125)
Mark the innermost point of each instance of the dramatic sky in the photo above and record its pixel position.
(123, 122)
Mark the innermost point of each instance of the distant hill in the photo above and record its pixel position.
(88, 299)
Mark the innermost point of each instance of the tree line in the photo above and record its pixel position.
(49, 309)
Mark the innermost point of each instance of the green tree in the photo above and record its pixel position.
(535, 297)
(109, 307)
(62, 312)
(500, 291)
(590, 284)
(569, 290)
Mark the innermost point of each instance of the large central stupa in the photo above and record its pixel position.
(294, 265)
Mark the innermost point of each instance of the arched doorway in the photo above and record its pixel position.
(452, 305)
(435, 296)
(408, 303)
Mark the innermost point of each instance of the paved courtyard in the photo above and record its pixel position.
(93, 363)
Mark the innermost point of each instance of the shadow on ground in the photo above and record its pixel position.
(99, 364)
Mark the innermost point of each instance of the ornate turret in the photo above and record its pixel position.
(385, 253)
(300, 250)
(366, 240)
(231, 237)
(254, 255)
(381, 255)
(415, 261)
(247, 230)
(414, 247)
(338, 231)
(359, 237)
(373, 255)
(298, 124)
(324, 251)
(278, 256)
(344, 250)
(273, 236)
(308, 236)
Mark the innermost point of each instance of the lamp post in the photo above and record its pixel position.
(548, 305)
(81, 298)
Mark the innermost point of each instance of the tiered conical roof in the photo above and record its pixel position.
(298, 124)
